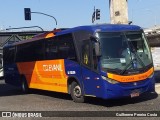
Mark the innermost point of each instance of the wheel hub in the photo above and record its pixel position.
(77, 91)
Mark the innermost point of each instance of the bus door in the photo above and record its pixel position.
(90, 75)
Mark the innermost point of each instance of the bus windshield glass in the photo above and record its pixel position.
(124, 51)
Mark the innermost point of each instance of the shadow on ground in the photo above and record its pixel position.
(122, 101)
(7, 90)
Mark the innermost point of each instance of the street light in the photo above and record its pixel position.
(27, 13)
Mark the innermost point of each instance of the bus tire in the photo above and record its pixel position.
(76, 92)
(24, 85)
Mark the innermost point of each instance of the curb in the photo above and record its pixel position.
(157, 88)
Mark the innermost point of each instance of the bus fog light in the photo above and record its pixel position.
(151, 75)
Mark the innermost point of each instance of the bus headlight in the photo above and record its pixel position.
(151, 75)
(109, 80)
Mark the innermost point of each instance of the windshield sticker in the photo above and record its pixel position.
(122, 60)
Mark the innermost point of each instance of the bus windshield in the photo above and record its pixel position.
(124, 52)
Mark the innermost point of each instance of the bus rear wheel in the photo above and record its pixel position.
(24, 85)
(76, 92)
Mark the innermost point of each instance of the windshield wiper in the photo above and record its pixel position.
(132, 59)
(136, 55)
(139, 59)
(134, 52)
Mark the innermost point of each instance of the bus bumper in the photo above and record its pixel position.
(133, 89)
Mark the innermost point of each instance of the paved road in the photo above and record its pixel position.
(11, 99)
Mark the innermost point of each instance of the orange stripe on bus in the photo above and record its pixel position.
(49, 87)
(131, 78)
(49, 35)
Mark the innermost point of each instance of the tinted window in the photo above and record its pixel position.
(61, 47)
(51, 48)
(30, 51)
(9, 54)
(86, 56)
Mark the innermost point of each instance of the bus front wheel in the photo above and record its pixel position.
(76, 92)
(24, 85)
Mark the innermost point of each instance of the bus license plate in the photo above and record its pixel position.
(134, 94)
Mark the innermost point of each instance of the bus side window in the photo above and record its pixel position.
(86, 53)
(30, 52)
(66, 48)
(51, 49)
(61, 47)
(9, 55)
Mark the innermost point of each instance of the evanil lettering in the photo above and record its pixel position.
(56, 67)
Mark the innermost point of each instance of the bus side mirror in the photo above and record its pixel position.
(97, 49)
(96, 45)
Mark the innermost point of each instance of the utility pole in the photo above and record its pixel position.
(118, 11)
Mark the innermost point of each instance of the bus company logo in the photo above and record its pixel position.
(127, 79)
(55, 67)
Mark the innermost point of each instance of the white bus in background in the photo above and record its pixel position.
(156, 57)
(1, 65)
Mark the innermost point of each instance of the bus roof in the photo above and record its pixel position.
(90, 28)
(102, 27)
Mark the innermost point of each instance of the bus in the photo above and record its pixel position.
(83, 61)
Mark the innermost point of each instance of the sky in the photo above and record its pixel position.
(71, 13)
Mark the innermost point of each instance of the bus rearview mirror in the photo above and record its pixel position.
(97, 49)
